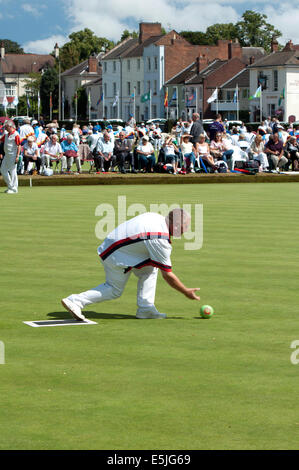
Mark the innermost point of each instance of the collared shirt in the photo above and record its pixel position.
(105, 147)
(53, 149)
(141, 241)
(68, 146)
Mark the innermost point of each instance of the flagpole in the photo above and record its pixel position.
(237, 89)
(150, 104)
(217, 102)
(261, 106)
(117, 105)
(103, 105)
(89, 105)
(177, 102)
(63, 98)
(76, 106)
(196, 106)
(167, 109)
(134, 104)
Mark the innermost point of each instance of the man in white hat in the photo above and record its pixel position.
(142, 246)
(12, 148)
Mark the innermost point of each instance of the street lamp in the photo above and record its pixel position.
(56, 51)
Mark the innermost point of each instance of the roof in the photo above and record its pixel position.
(196, 79)
(183, 75)
(82, 69)
(256, 52)
(138, 50)
(25, 63)
(278, 58)
(121, 49)
(241, 79)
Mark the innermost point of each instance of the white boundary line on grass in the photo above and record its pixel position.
(59, 323)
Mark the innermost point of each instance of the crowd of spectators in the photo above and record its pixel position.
(188, 148)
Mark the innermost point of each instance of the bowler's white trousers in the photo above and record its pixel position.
(9, 172)
(116, 280)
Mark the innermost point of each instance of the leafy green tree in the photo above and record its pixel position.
(221, 31)
(11, 47)
(126, 34)
(49, 84)
(196, 37)
(254, 30)
(81, 45)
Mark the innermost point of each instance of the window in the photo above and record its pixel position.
(156, 63)
(129, 88)
(148, 86)
(245, 93)
(114, 66)
(155, 87)
(129, 64)
(275, 80)
(138, 64)
(154, 111)
(105, 89)
(114, 89)
(105, 66)
(138, 88)
(149, 63)
(10, 89)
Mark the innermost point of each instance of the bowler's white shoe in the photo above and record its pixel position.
(10, 191)
(148, 313)
(74, 310)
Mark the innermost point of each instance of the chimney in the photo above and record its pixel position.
(2, 51)
(93, 63)
(274, 44)
(289, 46)
(147, 30)
(234, 49)
(201, 63)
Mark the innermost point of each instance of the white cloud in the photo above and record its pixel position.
(35, 11)
(286, 19)
(44, 46)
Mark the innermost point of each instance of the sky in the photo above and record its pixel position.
(37, 25)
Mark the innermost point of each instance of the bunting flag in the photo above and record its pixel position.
(281, 97)
(213, 97)
(173, 96)
(166, 99)
(257, 93)
(100, 99)
(145, 97)
(15, 101)
(5, 102)
(190, 99)
(115, 101)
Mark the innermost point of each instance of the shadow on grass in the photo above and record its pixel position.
(93, 315)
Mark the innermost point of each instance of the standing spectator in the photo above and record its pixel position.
(104, 158)
(274, 151)
(216, 127)
(123, 152)
(31, 154)
(12, 148)
(196, 129)
(41, 121)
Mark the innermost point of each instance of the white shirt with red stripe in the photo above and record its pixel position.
(141, 241)
(11, 142)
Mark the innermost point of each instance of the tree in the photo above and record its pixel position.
(81, 45)
(254, 30)
(221, 31)
(33, 84)
(196, 37)
(11, 47)
(49, 84)
(126, 34)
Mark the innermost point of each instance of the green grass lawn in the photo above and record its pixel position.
(180, 383)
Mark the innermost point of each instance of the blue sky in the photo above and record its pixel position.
(38, 25)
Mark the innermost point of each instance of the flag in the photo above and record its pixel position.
(38, 100)
(51, 104)
(235, 98)
(257, 93)
(115, 101)
(166, 99)
(28, 102)
(145, 97)
(15, 101)
(173, 97)
(281, 97)
(132, 96)
(89, 97)
(214, 96)
(4, 102)
(190, 99)
(100, 98)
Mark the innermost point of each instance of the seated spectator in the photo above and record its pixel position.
(203, 151)
(52, 151)
(188, 154)
(70, 154)
(243, 143)
(274, 151)
(104, 158)
(123, 152)
(31, 154)
(292, 151)
(227, 146)
(256, 152)
(170, 150)
(235, 136)
(217, 148)
(146, 155)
